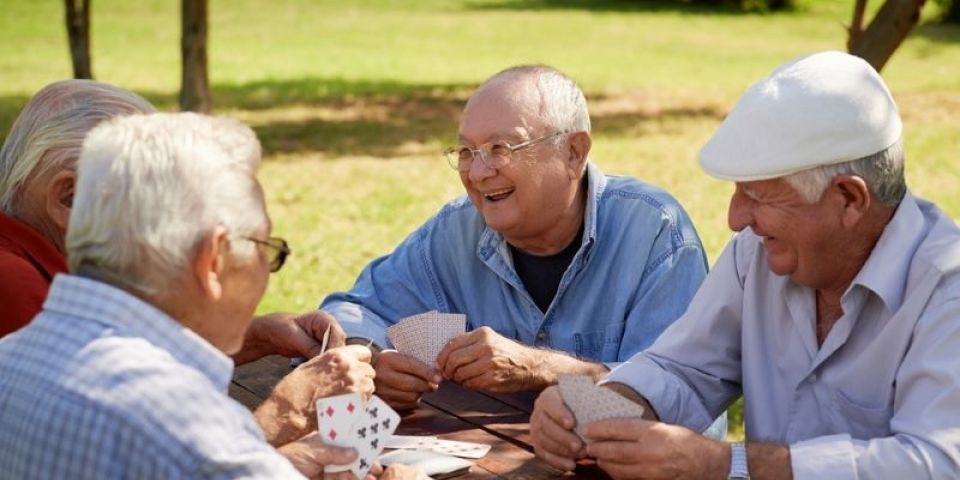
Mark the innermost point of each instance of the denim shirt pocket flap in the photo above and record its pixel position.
(600, 345)
(589, 344)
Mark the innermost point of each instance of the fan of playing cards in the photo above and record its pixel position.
(345, 421)
(422, 336)
(590, 402)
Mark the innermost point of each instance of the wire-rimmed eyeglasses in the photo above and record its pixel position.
(494, 155)
(278, 251)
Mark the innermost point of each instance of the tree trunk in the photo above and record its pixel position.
(194, 88)
(886, 31)
(78, 33)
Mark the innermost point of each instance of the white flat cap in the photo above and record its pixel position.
(819, 109)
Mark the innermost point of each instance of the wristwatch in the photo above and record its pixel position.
(366, 342)
(375, 349)
(738, 462)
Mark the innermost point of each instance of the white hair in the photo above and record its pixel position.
(48, 133)
(562, 103)
(882, 171)
(151, 187)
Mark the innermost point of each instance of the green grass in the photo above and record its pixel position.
(354, 100)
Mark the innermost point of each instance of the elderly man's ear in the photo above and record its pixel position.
(59, 198)
(580, 143)
(208, 262)
(853, 194)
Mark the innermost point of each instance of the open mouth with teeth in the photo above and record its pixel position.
(497, 195)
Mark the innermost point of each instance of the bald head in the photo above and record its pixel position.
(538, 93)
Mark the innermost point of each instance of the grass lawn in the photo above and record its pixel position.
(353, 101)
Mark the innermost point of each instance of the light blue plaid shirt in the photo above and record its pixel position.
(102, 385)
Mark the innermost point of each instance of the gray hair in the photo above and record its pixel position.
(882, 171)
(562, 103)
(151, 187)
(48, 133)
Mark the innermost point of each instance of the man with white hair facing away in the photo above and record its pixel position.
(835, 311)
(124, 373)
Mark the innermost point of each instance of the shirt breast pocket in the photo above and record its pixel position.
(600, 345)
(863, 421)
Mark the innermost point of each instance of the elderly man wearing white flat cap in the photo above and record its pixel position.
(835, 311)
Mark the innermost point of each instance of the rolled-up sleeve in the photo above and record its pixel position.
(391, 287)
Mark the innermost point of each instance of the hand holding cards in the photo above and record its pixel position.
(590, 402)
(345, 421)
(423, 336)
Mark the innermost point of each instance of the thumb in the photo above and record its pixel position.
(309, 454)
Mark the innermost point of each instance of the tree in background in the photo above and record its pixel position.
(78, 33)
(886, 31)
(194, 87)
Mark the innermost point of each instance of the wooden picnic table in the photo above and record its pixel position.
(453, 413)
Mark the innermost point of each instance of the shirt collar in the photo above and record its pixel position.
(102, 303)
(34, 245)
(491, 241)
(885, 271)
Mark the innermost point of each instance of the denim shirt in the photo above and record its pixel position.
(639, 264)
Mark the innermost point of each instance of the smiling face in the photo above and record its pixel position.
(536, 196)
(803, 241)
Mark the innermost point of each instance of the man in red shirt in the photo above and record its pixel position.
(37, 179)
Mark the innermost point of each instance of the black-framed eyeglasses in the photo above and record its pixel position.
(278, 249)
(494, 155)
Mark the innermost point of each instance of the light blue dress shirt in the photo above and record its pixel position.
(879, 399)
(639, 264)
(104, 386)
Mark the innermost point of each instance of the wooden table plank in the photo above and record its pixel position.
(485, 411)
(453, 413)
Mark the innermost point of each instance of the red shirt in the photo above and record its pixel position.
(28, 262)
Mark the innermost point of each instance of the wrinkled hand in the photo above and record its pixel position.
(309, 455)
(485, 360)
(551, 426)
(401, 379)
(635, 448)
(403, 472)
(289, 335)
(290, 411)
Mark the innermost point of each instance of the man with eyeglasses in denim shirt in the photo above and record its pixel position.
(558, 267)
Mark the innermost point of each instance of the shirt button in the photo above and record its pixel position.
(542, 336)
(812, 378)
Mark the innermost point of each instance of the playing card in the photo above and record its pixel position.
(434, 464)
(590, 402)
(424, 335)
(434, 444)
(335, 417)
(371, 431)
(406, 441)
(455, 448)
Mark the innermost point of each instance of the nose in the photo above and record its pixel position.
(740, 213)
(479, 170)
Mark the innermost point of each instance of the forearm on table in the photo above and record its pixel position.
(256, 342)
(552, 364)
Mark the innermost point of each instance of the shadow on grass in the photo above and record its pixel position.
(716, 7)
(336, 117)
